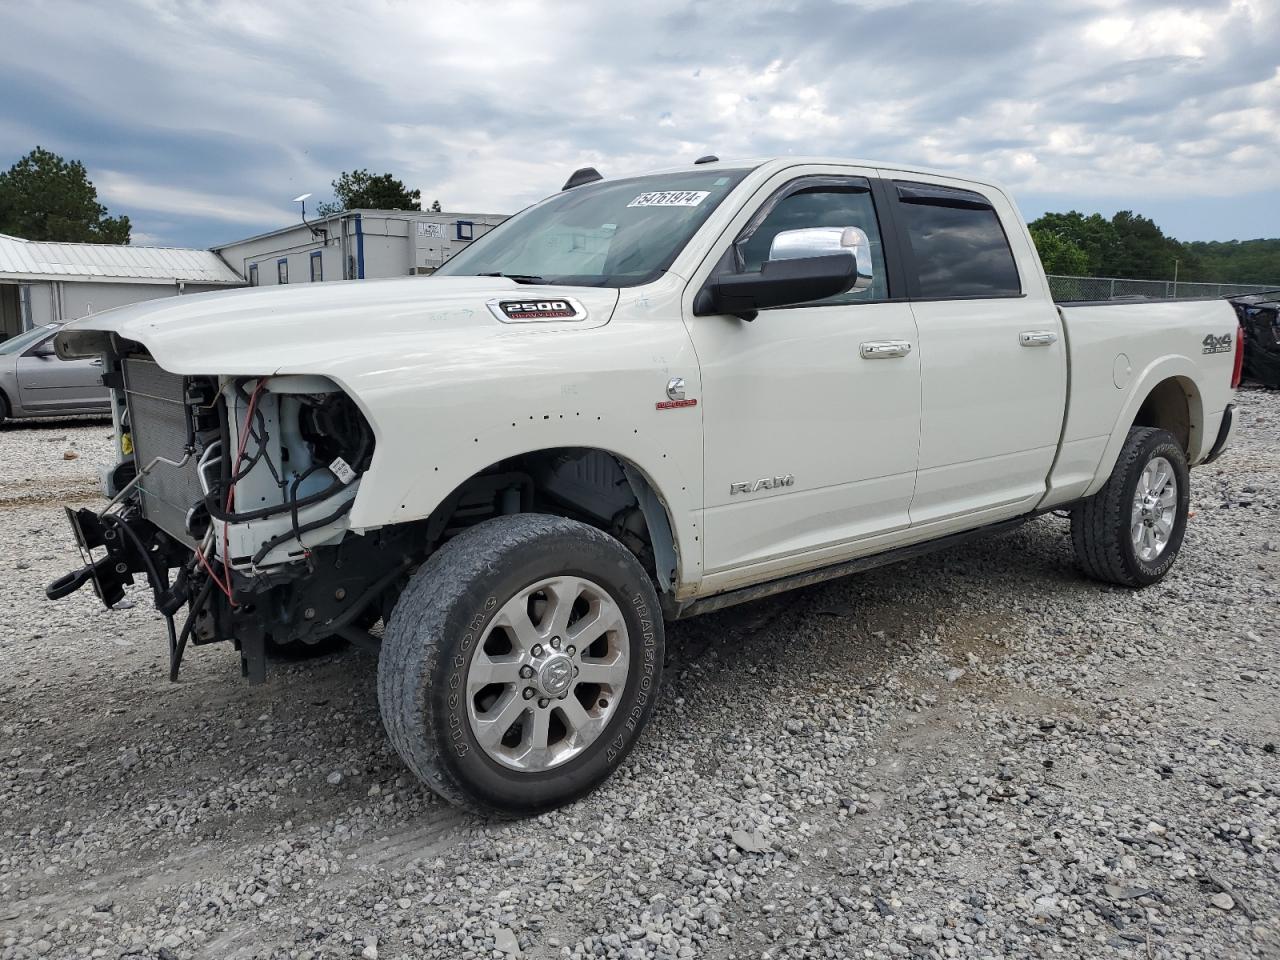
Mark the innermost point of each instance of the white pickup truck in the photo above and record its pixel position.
(637, 400)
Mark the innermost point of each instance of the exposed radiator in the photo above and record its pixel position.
(158, 425)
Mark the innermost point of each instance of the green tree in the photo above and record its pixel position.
(1131, 245)
(1094, 235)
(44, 197)
(1145, 253)
(1237, 261)
(1060, 255)
(362, 190)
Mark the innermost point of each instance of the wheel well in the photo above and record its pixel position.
(1169, 406)
(582, 483)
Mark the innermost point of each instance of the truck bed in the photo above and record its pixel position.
(1119, 352)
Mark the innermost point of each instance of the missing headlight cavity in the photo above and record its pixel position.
(333, 427)
(288, 460)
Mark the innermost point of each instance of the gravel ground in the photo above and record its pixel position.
(977, 754)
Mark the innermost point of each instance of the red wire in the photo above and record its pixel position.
(231, 490)
(212, 576)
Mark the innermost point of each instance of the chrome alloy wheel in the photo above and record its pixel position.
(548, 674)
(1155, 504)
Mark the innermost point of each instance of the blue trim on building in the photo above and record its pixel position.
(359, 249)
(317, 266)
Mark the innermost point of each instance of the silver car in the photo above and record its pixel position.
(35, 383)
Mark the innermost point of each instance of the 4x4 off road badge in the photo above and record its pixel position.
(537, 311)
(1214, 344)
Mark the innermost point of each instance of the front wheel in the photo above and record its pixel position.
(521, 663)
(1130, 531)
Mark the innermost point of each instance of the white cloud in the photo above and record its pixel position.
(221, 111)
(128, 191)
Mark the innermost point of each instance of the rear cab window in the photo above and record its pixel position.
(956, 242)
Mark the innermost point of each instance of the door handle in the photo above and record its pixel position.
(95, 362)
(884, 349)
(1037, 338)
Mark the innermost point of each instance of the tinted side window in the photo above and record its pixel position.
(821, 205)
(959, 246)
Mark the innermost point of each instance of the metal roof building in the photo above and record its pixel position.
(42, 282)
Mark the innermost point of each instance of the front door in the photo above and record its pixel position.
(810, 413)
(47, 384)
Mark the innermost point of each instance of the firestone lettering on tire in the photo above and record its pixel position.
(456, 735)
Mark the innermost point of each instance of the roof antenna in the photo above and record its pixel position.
(709, 158)
(580, 176)
(315, 231)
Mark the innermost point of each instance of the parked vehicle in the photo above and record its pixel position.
(635, 401)
(1260, 326)
(34, 382)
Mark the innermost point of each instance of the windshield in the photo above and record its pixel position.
(23, 340)
(615, 233)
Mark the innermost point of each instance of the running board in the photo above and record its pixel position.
(679, 611)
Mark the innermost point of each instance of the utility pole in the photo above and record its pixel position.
(1175, 276)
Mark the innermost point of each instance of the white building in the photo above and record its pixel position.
(355, 245)
(42, 282)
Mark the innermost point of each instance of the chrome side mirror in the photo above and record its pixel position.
(823, 242)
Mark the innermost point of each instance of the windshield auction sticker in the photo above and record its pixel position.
(670, 198)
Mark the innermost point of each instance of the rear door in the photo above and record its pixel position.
(47, 384)
(993, 358)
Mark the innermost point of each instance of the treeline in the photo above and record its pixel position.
(1132, 246)
(1239, 261)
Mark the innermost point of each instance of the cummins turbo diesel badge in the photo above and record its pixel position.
(537, 311)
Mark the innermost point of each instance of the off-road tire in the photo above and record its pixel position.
(1100, 525)
(427, 647)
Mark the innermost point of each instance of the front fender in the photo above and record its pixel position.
(437, 423)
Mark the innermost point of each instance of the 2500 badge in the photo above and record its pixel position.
(533, 311)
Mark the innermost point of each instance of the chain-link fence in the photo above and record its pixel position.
(1067, 289)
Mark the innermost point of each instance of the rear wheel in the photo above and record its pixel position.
(521, 663)
(4, 408)
(1130, 531)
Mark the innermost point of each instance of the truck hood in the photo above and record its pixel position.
(255, 331)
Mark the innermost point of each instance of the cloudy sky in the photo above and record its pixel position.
(201, 120)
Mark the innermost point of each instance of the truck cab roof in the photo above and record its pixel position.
(771, 165)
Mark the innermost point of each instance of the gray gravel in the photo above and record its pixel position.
(977, 754)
